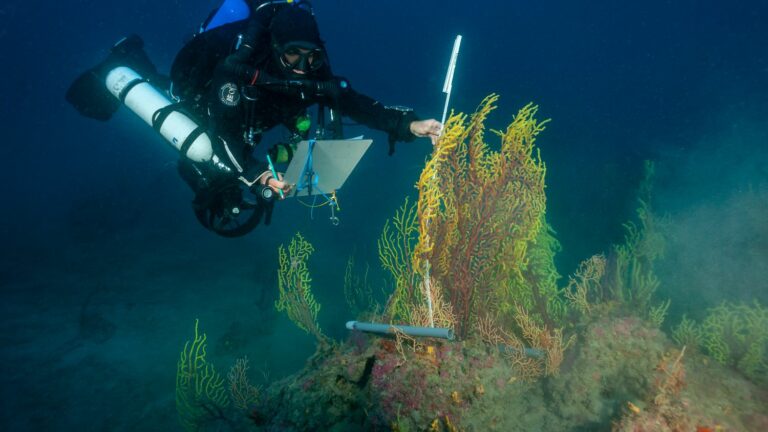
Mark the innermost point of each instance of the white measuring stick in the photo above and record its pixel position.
(448, 86)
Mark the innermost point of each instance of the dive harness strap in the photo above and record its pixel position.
(127, 89)
(159, 117)
(190, 139)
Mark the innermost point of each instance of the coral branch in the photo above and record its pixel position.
(396, 248)
(200, 394)
(357, 290)
(584, 287)
(294, 283)
(241, 391)
(478, 211)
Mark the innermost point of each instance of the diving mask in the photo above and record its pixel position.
(301, 57)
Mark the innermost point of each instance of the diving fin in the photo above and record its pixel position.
(90, 98)
(88, 93)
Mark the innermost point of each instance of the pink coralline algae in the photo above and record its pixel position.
(399, 390)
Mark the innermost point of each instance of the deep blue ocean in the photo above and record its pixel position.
(104, 267)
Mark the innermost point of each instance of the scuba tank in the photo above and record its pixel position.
(152, 106)
(128, 77)
(231, 11)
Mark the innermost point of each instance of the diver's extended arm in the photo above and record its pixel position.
(394, 120)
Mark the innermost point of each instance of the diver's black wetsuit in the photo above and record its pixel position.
(233, 81)
(257, 96)
(276, 104)
(233, 78)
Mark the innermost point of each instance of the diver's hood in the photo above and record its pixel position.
(297, 28)
(292, 24)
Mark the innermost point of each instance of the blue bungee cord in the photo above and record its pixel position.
(309, 180)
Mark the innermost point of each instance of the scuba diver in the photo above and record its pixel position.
(253, 66)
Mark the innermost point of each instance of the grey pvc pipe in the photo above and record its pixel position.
(528, 352)
(443, 333)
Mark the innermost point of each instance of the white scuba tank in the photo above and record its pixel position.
(146, 101)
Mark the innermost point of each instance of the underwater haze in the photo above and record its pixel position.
(657, 106)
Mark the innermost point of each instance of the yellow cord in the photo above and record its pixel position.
(332, 200)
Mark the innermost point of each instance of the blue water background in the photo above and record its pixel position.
(96, 222)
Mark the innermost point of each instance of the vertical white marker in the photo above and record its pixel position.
(448, 86)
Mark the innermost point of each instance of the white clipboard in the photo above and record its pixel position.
(326, 169)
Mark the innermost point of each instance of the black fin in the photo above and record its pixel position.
(89, 94)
